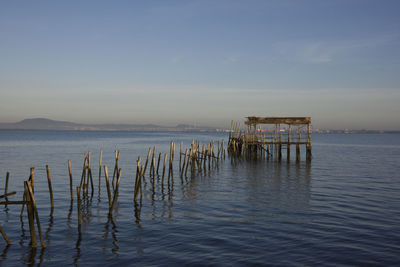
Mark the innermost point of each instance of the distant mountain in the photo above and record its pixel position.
(47, 124)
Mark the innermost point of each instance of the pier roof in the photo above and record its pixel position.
(277, 120)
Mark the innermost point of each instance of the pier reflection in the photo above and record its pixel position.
(279, 187)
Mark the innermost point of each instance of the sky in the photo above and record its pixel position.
(201, 62)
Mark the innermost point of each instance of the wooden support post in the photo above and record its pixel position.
(163, 172)
(288, 144)
(70, 180)
(158, 162)
(36, 214)
(6, 186)
(90, 174)
(107, 184)
(29, 209)
(188, 161)
(171, 160)
(31, 179)
(24, 198)
(308, 153)
(308, 146)
(279, 151)
(115, 192)
(83, 177)
(115, 173)
(152, 161)
(100, 159)
(147, 160)
(50, 187)
(180, 155)
(136, 189)
(297, 152)
(184, 162)
(223, 147)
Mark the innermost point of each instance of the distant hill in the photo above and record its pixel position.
(47, 124)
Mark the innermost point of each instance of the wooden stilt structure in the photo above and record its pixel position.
(281, 132)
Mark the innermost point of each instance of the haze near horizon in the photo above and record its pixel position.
(201, 62)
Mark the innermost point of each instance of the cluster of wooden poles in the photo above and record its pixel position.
(29, 201)
(194, 158)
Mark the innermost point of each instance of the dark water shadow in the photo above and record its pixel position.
(3, 255)
(114, 232)
(77, 255)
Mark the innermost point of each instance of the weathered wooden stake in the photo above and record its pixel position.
(115, 173)
(158, 162)
(108, 185)
(163, 172)
(184, 162)
(147, 160)
(136, 189)
(308, 152)
(33, 202)
(6, 187)
(24, 198)
(50, 187)
(188, 161)
(70, 180)
(180, 155)
(100, 159)
(115, 192)
(90, 174)
(29, 209)
(153, 163)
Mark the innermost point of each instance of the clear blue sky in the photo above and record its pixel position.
(202, 62)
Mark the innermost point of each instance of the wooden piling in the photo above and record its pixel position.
(297, 152)
(36, 214)
(184, 162)
(70, 180)
(153, 163)
(83, 176)
(163, 172)
(115, 173)
(308, 152)
(115, 192)
(107, 184)
(188, 161)
(158, 162)
(6, 186)
(136, 189)
(180, 155)
(90, 174)
(147, 160)
(24, 198)
(29, 209)
(100, 159)
(50, 187)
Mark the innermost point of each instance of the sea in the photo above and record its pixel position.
(342, 208)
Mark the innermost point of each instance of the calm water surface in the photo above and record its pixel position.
(343, 208)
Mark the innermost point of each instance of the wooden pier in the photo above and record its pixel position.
(267, 136)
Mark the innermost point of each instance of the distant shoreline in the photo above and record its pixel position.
(42, 124)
